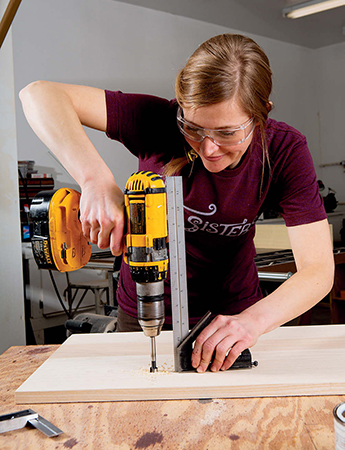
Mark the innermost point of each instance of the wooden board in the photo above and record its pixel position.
(274, 236)
(115, 366)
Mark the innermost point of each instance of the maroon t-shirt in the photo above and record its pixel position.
(220, 209)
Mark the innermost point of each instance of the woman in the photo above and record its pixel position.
(235, 163)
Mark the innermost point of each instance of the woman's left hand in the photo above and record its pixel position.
(226, 337)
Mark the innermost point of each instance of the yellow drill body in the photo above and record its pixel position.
(147, 232)
(147, 254)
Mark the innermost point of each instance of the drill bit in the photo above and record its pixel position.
(153, 367)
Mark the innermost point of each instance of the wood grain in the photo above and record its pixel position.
(251, 423)
(115, 366)
(274, 236)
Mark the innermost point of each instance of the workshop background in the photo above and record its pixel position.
(121, 45)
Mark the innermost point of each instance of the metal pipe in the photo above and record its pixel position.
(7, 18)
(274, 276)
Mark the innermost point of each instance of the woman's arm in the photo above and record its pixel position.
(57, 112)
(312, 248)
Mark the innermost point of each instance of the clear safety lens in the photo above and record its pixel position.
(226, 136)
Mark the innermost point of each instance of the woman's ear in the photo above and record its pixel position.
(269, 106)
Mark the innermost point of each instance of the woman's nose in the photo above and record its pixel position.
(208, 146)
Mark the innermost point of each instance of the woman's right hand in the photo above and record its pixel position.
(56, 112)
(102, 214)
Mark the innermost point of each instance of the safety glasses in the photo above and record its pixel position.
(224, 136)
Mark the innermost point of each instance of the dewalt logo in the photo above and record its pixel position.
(46, 252)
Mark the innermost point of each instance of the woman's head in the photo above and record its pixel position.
(219, 134)
(227, 67)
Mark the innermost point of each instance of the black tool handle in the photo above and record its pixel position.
(78, 326)
(185, 348)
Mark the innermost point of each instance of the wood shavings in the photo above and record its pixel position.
(163, 370)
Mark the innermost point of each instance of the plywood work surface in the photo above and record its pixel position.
(304, 423)
(293, 361)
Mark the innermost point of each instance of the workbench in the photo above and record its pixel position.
(251, 423)
(283, 261)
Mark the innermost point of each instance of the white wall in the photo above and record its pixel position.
(330, 76)
(12, 328)
(113, 45)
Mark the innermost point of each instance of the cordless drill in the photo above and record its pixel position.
(58, 242)
(146, 254)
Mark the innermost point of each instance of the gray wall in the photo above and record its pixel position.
(330, 82)
(12, 330)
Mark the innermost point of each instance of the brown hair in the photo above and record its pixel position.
(224, 67)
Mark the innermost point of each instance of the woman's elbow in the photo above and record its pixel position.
(32, 89)
(328, 271)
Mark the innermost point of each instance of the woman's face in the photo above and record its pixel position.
(225, 115)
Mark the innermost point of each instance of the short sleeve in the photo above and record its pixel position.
(144, 124)
(300, 201)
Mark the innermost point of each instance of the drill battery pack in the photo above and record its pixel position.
(58, 242)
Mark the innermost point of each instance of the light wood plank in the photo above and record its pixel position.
(274, 236)
(271, 236)
(115, 366)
